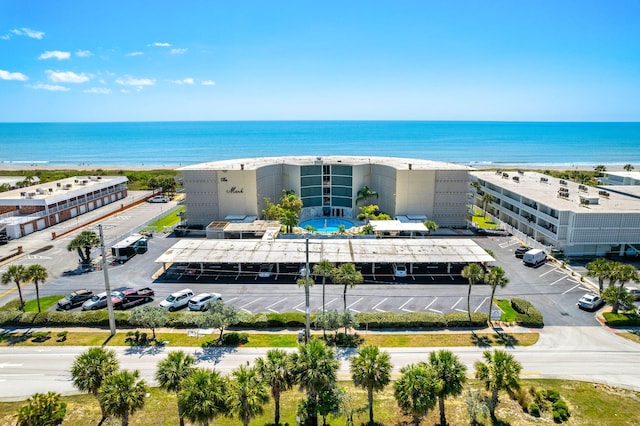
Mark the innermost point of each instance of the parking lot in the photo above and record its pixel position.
(427, 288)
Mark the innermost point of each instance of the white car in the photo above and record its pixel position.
(591, 302)
(399, 270)
(177, 300)
(265, 270)
(201, 301)
(158, 199)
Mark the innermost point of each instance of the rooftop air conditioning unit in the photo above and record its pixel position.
(84, 182)
(40, 191)
(58, 184)
(50, 190)
(23, 194)
(75, 180)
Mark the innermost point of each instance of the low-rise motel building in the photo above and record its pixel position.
(578, 219)
(328, 186)
(37, 207)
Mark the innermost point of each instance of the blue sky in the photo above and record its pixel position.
(138, 60)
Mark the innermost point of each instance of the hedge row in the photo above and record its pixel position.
(527, 314)
(10, 315)
(621, 319)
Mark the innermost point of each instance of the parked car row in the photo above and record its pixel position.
(182, 298)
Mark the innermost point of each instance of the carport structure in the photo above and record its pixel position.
(337, 251)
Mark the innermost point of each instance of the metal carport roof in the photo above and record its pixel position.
(390, 250)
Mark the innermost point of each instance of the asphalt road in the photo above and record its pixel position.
(590, 354)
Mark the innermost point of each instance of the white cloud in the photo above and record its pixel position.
(159, 44)
(84, 53)
(28, 33)
(178, 51)
(208, 83)
(58, 54)
(124, 91)
(98, 90)
(5, 37)
(50, 87)
(6, 75)
(134, 54)
(187, 80)
(127, 80)
(67, 77)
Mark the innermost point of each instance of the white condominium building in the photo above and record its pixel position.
(328, 187)
(580, 220)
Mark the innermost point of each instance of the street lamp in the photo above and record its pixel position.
(107, 287)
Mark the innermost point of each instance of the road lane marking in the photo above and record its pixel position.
(402, 308)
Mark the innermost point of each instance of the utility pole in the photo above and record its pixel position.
(107, 287)
(307, 319)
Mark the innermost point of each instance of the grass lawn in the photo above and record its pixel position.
(45, 303)
(256, 340)
(508, 313)
(480, 220)
(169, 219)
(590, 405)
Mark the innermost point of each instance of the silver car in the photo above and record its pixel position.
(591, 302)
(98, 301)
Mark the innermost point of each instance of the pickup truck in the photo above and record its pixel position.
(128, 298)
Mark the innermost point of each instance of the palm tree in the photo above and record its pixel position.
(324, 269)
(600, 268)
(123, 393)
(83, 244)
(91, 368)
(172, 371)
(628, 167)
(416, 391)
(624, 273)
(431, 226)
(38, 274)
(486, 200)
(365, 193)
(496, 277)
(474, 273)
(247, 393)
(203, 396)
(277, 372)
(452, 376)
(347, 275)
(315, 370)
(500, 371)
(368, 212)
(16, 274)
(371, 370)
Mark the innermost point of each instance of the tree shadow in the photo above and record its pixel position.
(212, 355)
(13, 338)
(480, 340)
(144, 350)
(506, 340)
(498, 422)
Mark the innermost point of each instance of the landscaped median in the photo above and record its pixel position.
(416, 329)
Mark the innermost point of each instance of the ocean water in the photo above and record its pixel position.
(184, 143)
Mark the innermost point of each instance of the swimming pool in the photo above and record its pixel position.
(329, 224)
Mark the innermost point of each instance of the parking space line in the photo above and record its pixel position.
(405, 304)
(456, 304)
(380, 303)
(577, 285)
(250, 303)
(548, 272)
(436, 311)
(230, 300)
(585, 289)
(274, 304)
(573, 281)
(481, 303)
(429, 305)
(330, 302)
(350, 306)
(557, 281)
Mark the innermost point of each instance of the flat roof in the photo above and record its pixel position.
(258, 162)
(59, 190)
(389, 250)
(533, 186)
(397, 226)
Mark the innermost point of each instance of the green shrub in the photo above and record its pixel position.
(461, 319)
(621, 319)
(11, 305)
(376, 320)
(534, 409)
(560, 411)
(234, 339)
(528, 315)
(552, 395)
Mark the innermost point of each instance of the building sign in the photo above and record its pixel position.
(235, 190)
